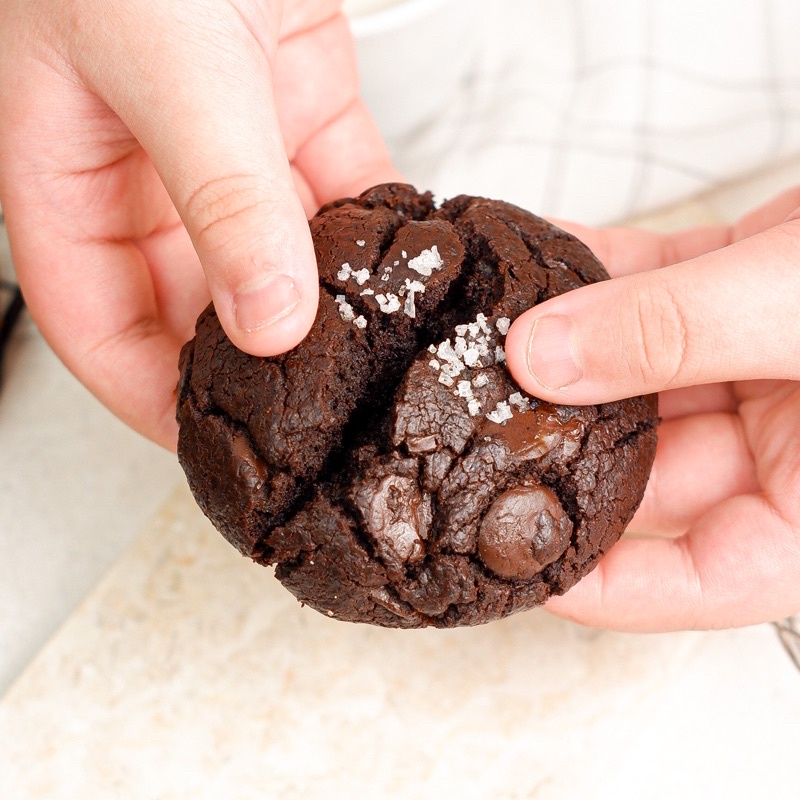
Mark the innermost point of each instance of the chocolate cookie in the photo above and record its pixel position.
(389, 466)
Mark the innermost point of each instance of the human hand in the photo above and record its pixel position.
(141, 140)
(716, 540)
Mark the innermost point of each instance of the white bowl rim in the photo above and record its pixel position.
(396, 16)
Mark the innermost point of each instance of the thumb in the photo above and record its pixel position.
(210, 127)
(726, 315)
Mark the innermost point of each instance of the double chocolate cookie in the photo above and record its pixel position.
(389, 466)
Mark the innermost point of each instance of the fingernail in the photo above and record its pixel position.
(266, 303)
(550, 357)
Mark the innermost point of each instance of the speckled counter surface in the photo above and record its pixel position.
(190, 673)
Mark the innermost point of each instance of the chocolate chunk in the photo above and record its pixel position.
(523, 531)
(389, 467)
(397, 514)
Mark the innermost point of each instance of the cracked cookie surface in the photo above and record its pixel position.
(389, 466)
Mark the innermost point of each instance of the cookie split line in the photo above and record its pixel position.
(472, 349)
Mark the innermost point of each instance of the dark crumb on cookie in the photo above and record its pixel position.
(389, 466)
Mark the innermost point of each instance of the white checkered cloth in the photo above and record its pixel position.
(594, 110)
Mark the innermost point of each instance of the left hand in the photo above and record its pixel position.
(160, 153)
(707, 317)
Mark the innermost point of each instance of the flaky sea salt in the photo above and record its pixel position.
(472, 357)
(453, 368)
(434, 364)
(473, 348)
(345, 309)
(360, 242)
(519, 402)
(344, 272)
(464, 389)
(360, 322)
(445, 351)
(388, 303)
(367, 292)
(501, 414)
(426, 262)
(362, 276)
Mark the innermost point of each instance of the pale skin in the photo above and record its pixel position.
(155, 154)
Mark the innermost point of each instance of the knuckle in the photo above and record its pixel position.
(661, 343)
(223, 209)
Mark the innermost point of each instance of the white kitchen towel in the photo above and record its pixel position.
(595, 110)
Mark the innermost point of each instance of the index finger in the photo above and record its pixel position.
(625, 251)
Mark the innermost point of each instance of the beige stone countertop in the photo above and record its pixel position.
(190, 673)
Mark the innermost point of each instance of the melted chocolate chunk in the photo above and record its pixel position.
(397, 515)
(389, 466)
(523, 531)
